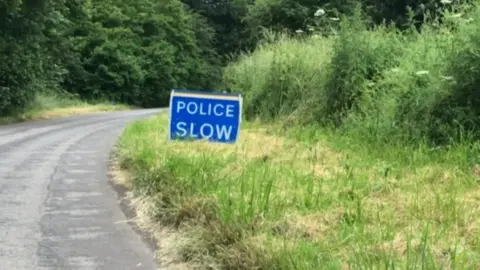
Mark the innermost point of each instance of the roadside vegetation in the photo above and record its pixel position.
(280, 200)
(54, 105)
(126, 52)
(360, 151)
(359, 148)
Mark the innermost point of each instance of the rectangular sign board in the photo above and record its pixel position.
(198, 115)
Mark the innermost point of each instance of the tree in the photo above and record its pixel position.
(135, 52)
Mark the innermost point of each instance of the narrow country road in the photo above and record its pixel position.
(57, 208)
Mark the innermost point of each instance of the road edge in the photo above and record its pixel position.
(124, 200)
(161, 240)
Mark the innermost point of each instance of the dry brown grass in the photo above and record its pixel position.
(49, 113)
(63, 112)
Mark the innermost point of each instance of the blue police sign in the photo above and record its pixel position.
(196, 115)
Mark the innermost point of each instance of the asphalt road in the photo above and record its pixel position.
(57, 208)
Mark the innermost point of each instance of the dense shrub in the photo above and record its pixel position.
(20, 64)
(381, 84)
(126, 51)
(360, 56)
(280, 78)
(460, 104)
(291, 15)
(136, 52)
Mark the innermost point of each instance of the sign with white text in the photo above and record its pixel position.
(196, 115)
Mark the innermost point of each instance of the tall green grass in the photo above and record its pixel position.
(380, 84)
(270, 202)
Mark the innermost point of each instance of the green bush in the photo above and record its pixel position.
(136, 52)
(414, 101)
(380, 84)
(282, 78)
(457, 112)
(20, 64)
(292, 15)
(359, 58)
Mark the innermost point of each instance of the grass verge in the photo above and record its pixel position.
(297, 200)
(53, 106)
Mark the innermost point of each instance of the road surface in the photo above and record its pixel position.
(57, 208)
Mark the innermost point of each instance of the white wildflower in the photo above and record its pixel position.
(445, 1)
(319, 12)
(299, 31)
(311, 29)
(422, 72)
(448, 78)
(334, 19)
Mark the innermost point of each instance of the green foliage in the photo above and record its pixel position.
(460, 103)
(380, 84)
(292, 15)
(20, 54)
(359, 56)
(401, 12)
(130, 52)
(135, 52)
(231, 33)
(278, 78)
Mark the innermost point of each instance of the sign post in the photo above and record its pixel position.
(196, 115)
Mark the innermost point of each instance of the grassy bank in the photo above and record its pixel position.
(277, 200)
(365, 156)
(54, 105)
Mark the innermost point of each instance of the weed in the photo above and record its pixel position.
(309, 205)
